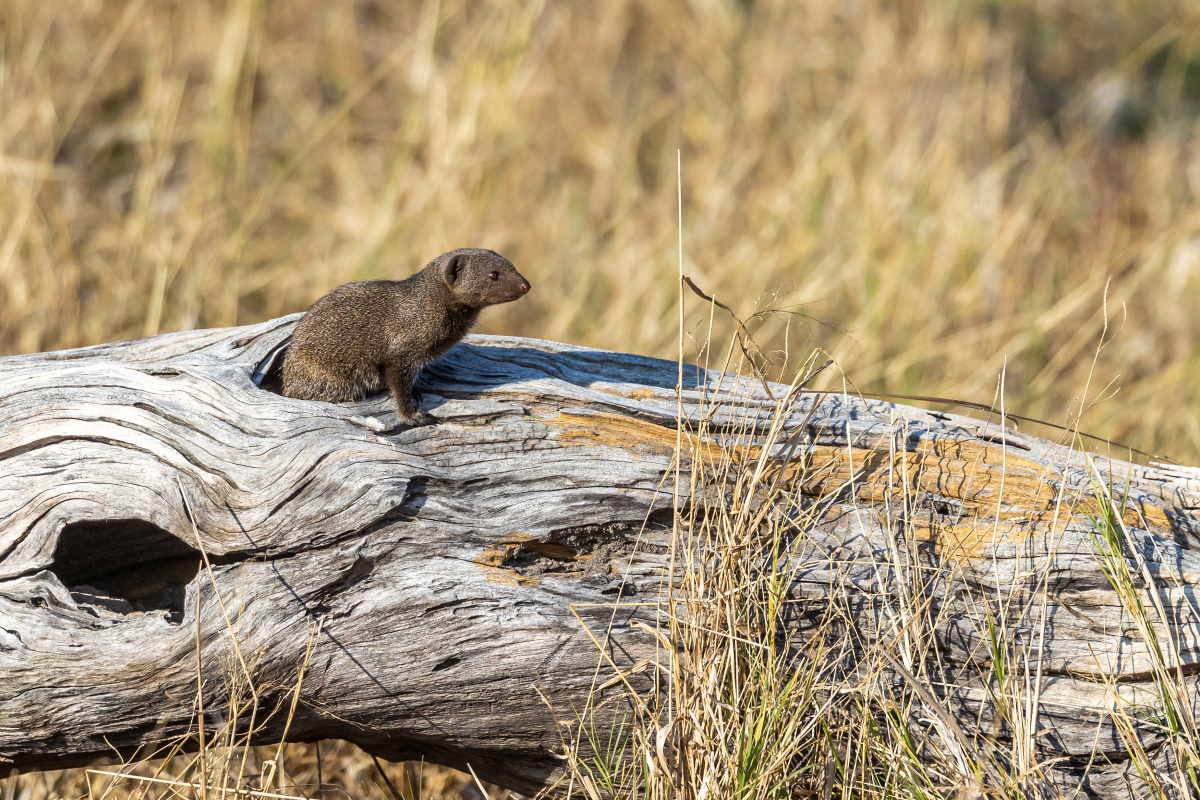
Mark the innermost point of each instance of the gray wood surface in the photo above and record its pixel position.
(444, 560)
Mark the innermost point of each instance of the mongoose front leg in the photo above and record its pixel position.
(400, 380)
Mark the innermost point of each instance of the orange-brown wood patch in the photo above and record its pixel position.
(986, 481)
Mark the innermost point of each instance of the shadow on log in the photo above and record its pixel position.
(443, 562)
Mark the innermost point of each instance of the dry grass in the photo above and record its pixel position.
(842, 691)
(946, 186)
(340, 771)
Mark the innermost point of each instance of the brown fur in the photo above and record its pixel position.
(363, 336)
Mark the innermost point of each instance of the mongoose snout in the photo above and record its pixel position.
(363, 336)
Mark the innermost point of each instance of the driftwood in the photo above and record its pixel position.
(444, 561)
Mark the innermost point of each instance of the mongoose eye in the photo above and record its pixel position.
(494, 276)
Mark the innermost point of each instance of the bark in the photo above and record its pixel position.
(447, 564)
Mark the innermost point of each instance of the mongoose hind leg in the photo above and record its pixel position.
(306, 380)
(400, 378)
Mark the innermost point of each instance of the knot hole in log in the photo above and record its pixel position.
(126, 566)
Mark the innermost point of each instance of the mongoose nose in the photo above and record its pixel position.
(524, 288)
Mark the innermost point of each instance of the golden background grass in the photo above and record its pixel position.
(944, 188)
(947, 185)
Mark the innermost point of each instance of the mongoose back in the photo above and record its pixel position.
(366, 335)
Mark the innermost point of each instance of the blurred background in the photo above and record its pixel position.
(933, 191)
(943, 187)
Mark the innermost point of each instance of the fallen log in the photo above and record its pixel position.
(454, 568)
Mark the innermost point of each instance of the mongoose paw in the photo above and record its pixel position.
(418, 419)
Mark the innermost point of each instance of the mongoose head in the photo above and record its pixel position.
(479, 278)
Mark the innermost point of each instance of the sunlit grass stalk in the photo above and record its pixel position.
(1140, 601)
(754, 713)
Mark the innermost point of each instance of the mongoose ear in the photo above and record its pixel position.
(454, 265)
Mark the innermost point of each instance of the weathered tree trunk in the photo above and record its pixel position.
(444, 560)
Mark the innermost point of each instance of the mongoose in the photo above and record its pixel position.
(365, 335)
